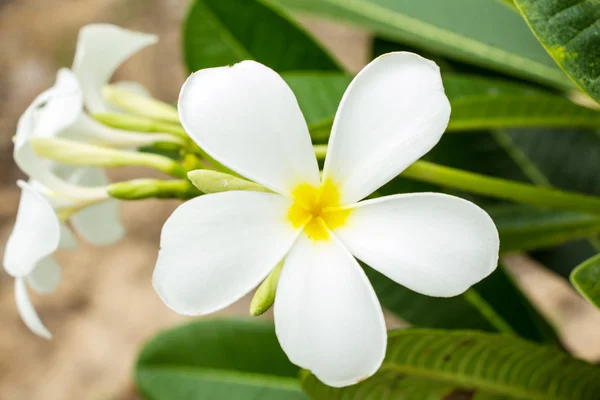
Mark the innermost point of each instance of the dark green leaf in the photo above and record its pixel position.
(481, 32)
(477, 103)
(586, 279)
(570, 32)
(222, 32)
(527, 228)
(428, 364)
(217, 360)
(494, 305)
(567, 159)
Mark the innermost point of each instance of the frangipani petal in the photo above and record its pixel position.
(217, 247)
(99, 224)
(51, 113)
(246, 117)
(27, 311)
(393, 112)
(432, 243)
(36, 233)
(46, 276)
(53, 110)
(101, 49)
(327, 317)
(68, 241)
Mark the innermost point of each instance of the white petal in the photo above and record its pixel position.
(27, 312)
(68, 241)
(134, 87)
(217, 247)
(46, 276)
(432, 243)
(327, 317)
(51, 113)
(99, 224)
(101, 48)
(36, 233)
(53, 110)
(393, 112)
(246, 117)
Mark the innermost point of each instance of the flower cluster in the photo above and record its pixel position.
(59, 197)
(280, 221)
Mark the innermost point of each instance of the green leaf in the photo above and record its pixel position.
(484, 103)
(318, 95)
(217, 360)
(494, 305)
(485, 33)
(477, 103)
(567, 159)
(586, 279)
(429, 364)
(525, 228)
(570, 32)
(222, 32)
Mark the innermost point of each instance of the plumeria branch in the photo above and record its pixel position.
(502, 188)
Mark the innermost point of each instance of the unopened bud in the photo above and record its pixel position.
(265, 294)
(140, 104)
(209, 181)
(139, 189)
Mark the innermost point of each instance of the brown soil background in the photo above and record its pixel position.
(105, 307)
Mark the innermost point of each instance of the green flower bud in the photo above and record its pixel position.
(209, 181)
(139, 189)
(265, 294)
(140, 104)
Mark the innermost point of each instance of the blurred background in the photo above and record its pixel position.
(105, 306)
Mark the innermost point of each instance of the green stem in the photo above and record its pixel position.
(501, 188)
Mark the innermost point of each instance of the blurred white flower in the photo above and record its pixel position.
(37, 234)
(59, 111)
(217, 247)
(57, 193)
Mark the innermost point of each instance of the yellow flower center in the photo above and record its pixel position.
(317, 209)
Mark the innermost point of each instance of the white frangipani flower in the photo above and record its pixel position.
(217, 247)
(38, 232)
(59, 111)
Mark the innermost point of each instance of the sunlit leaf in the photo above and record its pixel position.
(586, 279)
(570, 32)
(481, 32)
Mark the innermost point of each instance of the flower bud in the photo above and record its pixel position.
(214, 182)
(265, 294)
(140, 104)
